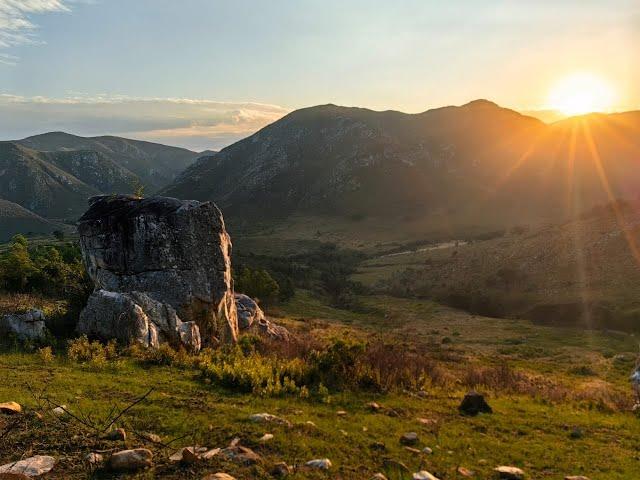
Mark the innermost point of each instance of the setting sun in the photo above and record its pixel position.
(581, 93)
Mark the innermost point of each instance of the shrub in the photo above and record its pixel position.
(46, 354)
(81, 350)
(257, 284)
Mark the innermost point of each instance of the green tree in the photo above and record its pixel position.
(16, 266)
(257, 284)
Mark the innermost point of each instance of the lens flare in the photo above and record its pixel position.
(581, 93)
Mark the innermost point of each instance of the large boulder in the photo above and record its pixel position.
(172, 259)
(26, 326)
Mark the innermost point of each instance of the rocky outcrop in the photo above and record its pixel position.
(136, 316)
(162, 271)
(26, 326)
(252, 319)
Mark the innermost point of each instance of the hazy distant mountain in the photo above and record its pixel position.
(156, 165)
(464, 164)
(53, 174)
(16, 219)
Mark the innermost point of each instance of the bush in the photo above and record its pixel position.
(81, 350)
(46, 354)
(257, 284)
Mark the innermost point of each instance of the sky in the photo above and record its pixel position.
(205, 73)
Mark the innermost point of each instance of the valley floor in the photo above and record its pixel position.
(564, 411)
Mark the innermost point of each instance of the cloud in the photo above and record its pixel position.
(16, 26)
(192, 123)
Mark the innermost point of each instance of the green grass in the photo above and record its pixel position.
(522, 431)
(529, 430)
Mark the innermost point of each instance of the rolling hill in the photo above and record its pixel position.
(453, 168)
(53, 174)
(16, 219)
(154, 164)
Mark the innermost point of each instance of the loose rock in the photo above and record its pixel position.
(473, 404)
(268, 418)
(409, 438)
(93, 458)
(378, 476)
(320, 463)
(117, 434)
(266, 437)
(576, 477)
(465, 472)
(31, 467)
(509, 473)
(423, 475)
(128, 460)
(10, 408)
(281, 469)
(218, 476)
(240, 454)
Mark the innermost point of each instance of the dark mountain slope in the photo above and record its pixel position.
(16, 219)
(464, 164)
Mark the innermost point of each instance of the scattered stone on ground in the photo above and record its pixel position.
(341, 413)
(319, 463)
(31, 467)
(269, 418)
(474, 403)
(380, 446)
(374, 406)
(427, 450)
(576, 477)
(93, 458)
(423, 475)
(218, 476)
(128, 460)
(59, 411)
(344, 432)
(427, 421)
(465, 472)
(26, 326)
(10, 408)
(509, 473)
(240, 454)
(281, 469)
(413, 450)
(266, 437)
(378, 476)
(210, 453)
(187, 454)
(409, 438)
(152, 437)
(117, 434)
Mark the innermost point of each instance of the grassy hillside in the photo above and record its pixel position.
(15, 219)
(582, 272)
(553, 415)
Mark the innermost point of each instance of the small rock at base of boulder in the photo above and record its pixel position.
(473, 404)
(509, 473)
(409, 438)
(135, 459)
(423, 475)
(10, 408)
(319, 463)
(31, 467)
(26, 326)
